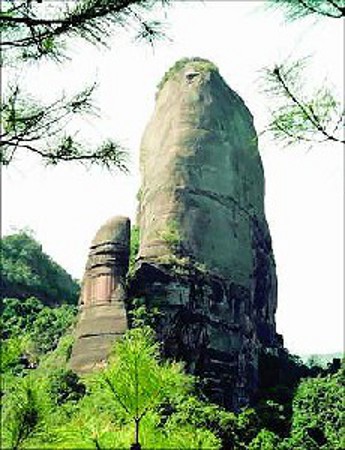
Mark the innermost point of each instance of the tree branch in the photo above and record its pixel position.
(314, 10)
(113, 390)
(308, 112)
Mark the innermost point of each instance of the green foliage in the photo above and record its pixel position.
(318, 413)
(31, 31)
(134, 248)
(102, 431)
(59, 357)
(43, 325)
(28, 272)
(172, 235)
(235, 431)
(65, 386)
(40, 30)
(26, 408)
(52, 408)
(18, 316)
(142, 315)
(265, 440)
(135, 385)
(297, 9)
(31, 125)
(137, 380)
(11, 353)
(298, 116)
(199, 64)
(50, 325)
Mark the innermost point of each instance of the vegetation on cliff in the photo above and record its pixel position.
(200, 64)
(134, 248)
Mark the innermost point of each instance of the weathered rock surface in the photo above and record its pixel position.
(102, 317)
(205, 257)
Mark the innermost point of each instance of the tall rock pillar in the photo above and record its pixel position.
(102, 315)
(205, 257)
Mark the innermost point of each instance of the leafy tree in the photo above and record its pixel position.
(138, 382)
(33, 30)
(28, 272)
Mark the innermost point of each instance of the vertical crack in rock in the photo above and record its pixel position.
(205, 257)
(102, 316)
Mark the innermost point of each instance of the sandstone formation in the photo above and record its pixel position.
(102, 316)
(205, 257)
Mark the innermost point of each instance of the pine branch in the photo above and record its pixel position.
(297, 118)
(315, 10)
(297, 9)
(309, 113)
(91, 20)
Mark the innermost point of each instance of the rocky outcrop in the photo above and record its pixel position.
(102, 316)
(205, 257)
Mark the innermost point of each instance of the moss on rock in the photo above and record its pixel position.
(199, 64)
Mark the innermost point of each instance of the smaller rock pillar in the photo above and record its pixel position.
(102, 317)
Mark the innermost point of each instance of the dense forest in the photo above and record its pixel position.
(138, 396)
(28, 272)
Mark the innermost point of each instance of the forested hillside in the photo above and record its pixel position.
(26, 271)
(38, 299)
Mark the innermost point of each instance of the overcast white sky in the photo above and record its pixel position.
(65, 206)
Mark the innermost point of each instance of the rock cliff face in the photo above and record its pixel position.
(102, 316)
(205, 255)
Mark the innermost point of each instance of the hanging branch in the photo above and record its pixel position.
(296, 117)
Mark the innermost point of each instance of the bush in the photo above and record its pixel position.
(65, 386)
(318, 413)
(265, 440)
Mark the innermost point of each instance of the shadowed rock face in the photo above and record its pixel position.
(102, 315)
(205, 255)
